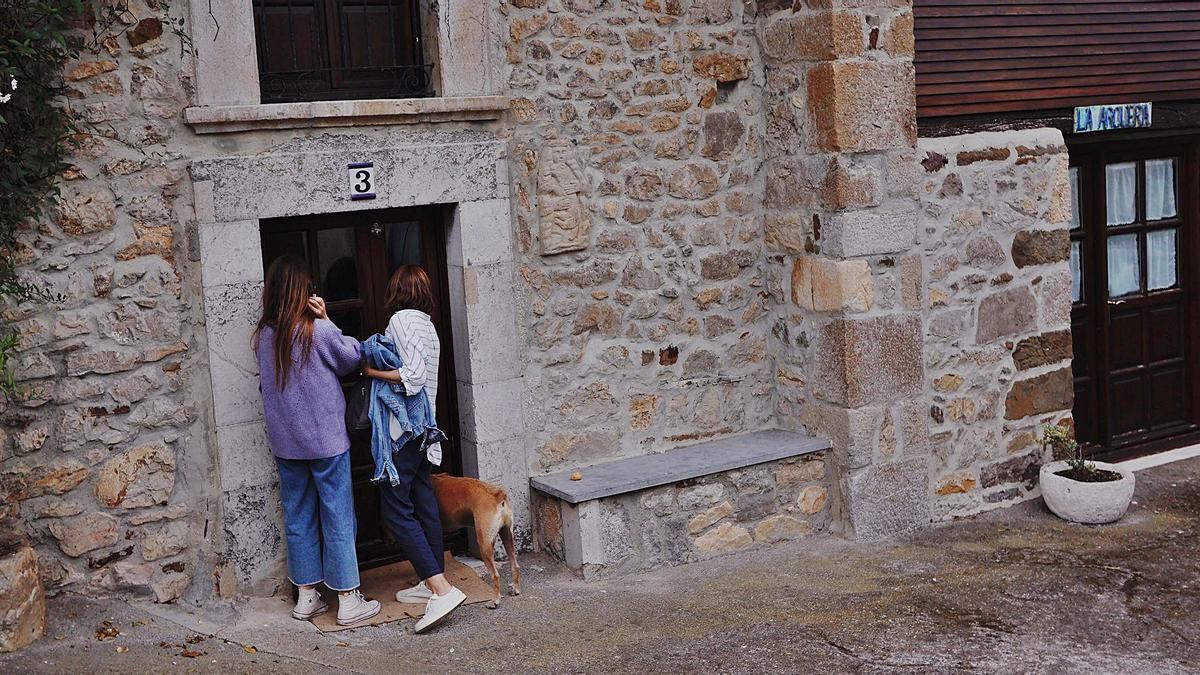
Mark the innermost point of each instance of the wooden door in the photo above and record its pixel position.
(1134, 316)
(352, 256)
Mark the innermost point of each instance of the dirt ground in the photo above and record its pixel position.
(1012, 591)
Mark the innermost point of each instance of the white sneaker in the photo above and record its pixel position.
(353, 607)
(309, 605)
(417, 594)
(439, 607)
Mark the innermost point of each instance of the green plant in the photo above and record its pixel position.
(1058, 440)
(36, 134)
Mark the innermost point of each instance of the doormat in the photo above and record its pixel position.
(382, 583)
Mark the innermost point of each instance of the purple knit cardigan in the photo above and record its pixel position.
(307, 420)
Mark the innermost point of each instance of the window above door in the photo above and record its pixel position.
(313, 50)
(284, 64)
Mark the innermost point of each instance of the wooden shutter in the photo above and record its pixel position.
(1003, 56)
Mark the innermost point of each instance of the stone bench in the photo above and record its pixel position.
(685, 504)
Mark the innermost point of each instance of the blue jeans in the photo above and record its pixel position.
(318, 514)
(410, 511)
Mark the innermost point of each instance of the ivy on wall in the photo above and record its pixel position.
(36, 131)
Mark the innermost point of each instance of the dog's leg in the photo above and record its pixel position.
(486, 535)
(510, 547)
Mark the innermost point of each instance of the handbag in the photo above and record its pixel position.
(358, 406)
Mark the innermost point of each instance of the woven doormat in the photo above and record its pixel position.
(382, 583)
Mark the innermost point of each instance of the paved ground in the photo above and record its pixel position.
(1014, 591)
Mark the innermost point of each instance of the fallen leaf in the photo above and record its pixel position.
(343, 644)
(139, 622)
(121, 649)
(187, 653)
(195, 639)
(576, 476)
(250, 649)
(106, 631)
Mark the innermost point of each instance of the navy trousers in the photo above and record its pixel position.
(410, 511)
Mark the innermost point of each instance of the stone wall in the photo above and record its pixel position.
(996, 208)
(106, 456)
(635, 158)
(697, 519)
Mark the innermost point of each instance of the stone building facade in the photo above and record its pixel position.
(668, 221)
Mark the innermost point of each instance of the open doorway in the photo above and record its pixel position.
(352, 256)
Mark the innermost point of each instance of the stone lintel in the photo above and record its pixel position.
(232, 118)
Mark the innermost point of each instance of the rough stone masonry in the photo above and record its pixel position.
(724, 222)
(105, 455)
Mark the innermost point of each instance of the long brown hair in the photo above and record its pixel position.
(285, 309)
(410, 288)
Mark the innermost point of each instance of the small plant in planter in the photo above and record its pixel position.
(1080, 490)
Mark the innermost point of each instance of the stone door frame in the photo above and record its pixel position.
(465, 169)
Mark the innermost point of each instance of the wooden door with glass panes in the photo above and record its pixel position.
(1133, 318)
(352, 256)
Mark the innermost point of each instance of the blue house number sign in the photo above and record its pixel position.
(1111, 117)
(362, 180)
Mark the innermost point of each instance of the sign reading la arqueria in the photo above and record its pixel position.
(1111, 117)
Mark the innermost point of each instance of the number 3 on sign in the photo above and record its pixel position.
(362, 180)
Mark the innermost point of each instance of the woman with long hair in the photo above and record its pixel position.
(301, 354)
(410, 508)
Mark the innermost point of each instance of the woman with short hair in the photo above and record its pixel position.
(409, 506)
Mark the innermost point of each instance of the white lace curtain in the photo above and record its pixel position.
(1121, 191)
(1160, 259)
(1160, 189)
(1124, 271)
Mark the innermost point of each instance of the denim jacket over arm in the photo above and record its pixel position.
(414, 413)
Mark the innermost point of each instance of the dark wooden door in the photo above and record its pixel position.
(1134, 317)
(352, 256)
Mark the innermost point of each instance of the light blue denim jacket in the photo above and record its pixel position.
(414, 413)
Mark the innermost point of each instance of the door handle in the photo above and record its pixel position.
(376, 229)
(1114, 303)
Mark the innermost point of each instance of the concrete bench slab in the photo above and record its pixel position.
(687, 504)
(631, 474)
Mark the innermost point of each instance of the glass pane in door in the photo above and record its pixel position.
(404, 245)
(1124, 269)
(1075, 209)
(338, 264)
(1121, 190)
(1076, 272)
(1160, 260)
(1160, 189)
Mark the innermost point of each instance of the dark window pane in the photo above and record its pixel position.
(338, 264)
(276, 244)
(403, 245)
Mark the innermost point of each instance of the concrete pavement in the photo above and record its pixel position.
(1014, 591)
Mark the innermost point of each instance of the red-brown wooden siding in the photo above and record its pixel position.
(1003, 56)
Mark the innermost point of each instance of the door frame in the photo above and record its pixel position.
(1094, 153)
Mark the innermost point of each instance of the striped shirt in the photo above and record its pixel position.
(417, 342)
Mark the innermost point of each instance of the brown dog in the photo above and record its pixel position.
(464, 502)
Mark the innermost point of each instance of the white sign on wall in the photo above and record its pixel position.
(362, 180)
(1111, 117)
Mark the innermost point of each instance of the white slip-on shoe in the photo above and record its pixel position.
(308, 606)
(415, 595)
(353, 607)
(438, 608)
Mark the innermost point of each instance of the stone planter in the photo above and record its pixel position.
(1088, 503)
